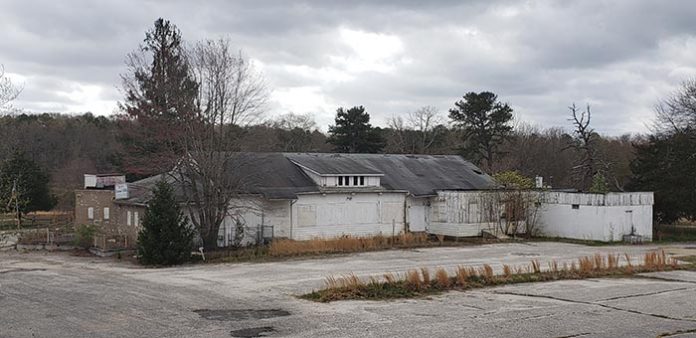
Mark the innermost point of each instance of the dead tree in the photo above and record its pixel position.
(585, 143)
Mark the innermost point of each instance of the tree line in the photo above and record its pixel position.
(205, 99)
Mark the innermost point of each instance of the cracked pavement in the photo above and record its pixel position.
(59, 295)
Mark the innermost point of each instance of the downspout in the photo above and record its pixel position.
(292, 202)
(407, 225)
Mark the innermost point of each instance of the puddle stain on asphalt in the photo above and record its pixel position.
(253, 332)
(239, 315)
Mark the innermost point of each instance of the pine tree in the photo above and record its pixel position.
(485, 124)
(666, 165)
(160, 100)
(166, 237)
(353, 132)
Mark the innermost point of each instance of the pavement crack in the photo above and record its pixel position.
(678, 332)
(575, 335)
(596, 304)
(20, 270)
(642, 294)
(660, 278)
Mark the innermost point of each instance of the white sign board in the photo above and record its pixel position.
(121, 191)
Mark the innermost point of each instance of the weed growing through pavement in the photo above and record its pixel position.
(418, 282)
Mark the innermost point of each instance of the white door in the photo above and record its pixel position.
(417, 213)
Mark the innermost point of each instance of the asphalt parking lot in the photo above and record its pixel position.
(60, 295)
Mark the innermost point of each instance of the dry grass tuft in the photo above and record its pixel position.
(389, 278)
(413, 280)
(344, 244)
(553, 266)
(535, 266)
(462, 276)
(486, 272)
(507, 271)
(612, 261)
(442, 278)
(426, 276)
(598, 261)
(629, 265)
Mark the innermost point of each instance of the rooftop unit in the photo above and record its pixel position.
(103, 181)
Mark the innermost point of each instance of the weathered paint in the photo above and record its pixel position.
(459, 214)
(418, 210)
(359, 214)
(596, 216)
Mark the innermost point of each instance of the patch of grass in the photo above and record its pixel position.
(417, 283)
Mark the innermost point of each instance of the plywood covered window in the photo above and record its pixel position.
(106, 213)
(128, 218)
(90, 213)
(136, 220)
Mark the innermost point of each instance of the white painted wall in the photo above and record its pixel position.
(336, 214)
(597, 217)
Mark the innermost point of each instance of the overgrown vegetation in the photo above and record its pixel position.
(674, 233)
(84, 235)
(284, 248)
(419, 282)
(346, 244)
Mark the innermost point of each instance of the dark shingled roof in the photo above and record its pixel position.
(275, 176)
(420, 175)
(334, 164)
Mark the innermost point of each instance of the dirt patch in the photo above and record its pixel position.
(239, 315)
(263, 331)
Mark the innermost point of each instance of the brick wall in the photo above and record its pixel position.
(119, 229)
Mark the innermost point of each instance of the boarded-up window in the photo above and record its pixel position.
(366, 213)
(90, 213)
(128, 218)
(136, 220)
(306, 215)
(474, 213)
(106, 213)
(392, 211)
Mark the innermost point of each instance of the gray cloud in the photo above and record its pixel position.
(392, 57)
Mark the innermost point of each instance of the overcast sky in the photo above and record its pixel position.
(392, 57)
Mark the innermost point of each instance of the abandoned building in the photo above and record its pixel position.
(302, 196)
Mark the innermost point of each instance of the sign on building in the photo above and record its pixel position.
(121, 191)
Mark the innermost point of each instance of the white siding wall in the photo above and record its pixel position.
(459, 214)
(597, 217)
(359, 214)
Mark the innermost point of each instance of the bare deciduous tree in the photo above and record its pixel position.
(213, 175)
(292, 121)
(425, 120)
(232, 92)
(417, 133)
(678, 112)
(8, 90)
